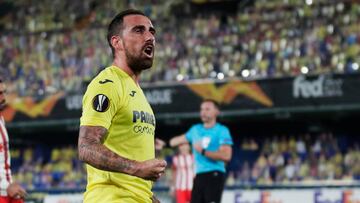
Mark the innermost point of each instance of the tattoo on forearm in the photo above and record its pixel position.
(92, 151)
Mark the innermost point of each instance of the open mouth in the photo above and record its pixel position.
(149, 50)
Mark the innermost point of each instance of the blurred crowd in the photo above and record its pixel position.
(306, 158)
(41, 168)
(61, 45)
(303, 159)
(57, 45)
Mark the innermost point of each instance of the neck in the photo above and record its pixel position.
(210, 124)
(121, 63)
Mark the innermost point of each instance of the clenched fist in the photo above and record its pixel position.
(150, 169)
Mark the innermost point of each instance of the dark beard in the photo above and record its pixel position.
(137, 63)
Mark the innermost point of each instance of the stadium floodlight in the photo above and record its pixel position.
(355, 66)
(179, 77)
(304, 70)
(245, 73)
(220, 76)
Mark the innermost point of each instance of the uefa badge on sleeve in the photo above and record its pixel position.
(101, 103)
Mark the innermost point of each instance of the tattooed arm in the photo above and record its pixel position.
(93, 152)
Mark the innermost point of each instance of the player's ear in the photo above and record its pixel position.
(116, 42)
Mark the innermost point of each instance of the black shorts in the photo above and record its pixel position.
(208, 187)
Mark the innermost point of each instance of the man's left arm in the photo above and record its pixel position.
(223, 154)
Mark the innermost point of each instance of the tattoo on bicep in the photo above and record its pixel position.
(92, 151)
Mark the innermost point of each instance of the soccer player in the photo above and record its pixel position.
(10, 192)
(211, 143)
(117, 126)
(183, 175)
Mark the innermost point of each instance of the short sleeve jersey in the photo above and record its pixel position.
(114, 101)
(210, 139)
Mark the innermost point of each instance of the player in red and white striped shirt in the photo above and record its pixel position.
(183, 174)
(10, 192)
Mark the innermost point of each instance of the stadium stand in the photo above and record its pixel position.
(263, 40)
(39, 168)
(306, 159)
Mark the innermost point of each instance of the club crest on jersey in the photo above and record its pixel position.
(101, 103)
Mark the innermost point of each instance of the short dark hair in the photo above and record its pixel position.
(116, 25)
(216, 104)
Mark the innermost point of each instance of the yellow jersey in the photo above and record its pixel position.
(114, 101)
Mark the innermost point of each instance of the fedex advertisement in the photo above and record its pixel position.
(341, 195)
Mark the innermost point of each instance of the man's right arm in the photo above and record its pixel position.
(178, 140)
(93, 152)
